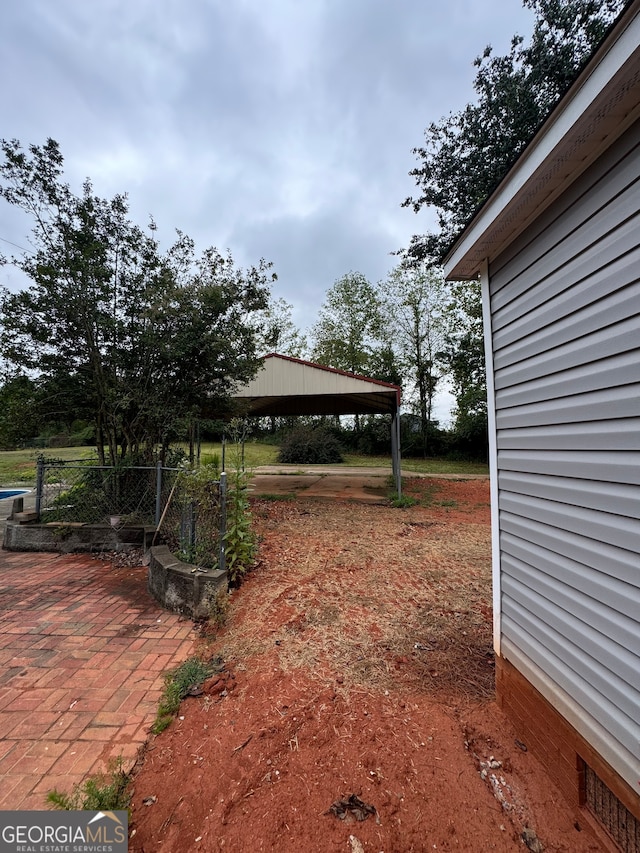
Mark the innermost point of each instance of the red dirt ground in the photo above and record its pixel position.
(358, 661)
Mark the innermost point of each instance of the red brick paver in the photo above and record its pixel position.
(83, 648)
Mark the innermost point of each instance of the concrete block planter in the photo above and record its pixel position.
(71, 538)
(181, 587)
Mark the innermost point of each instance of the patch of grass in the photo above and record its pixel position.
(424, 491)
(422, 466)
(19, 466)
(177, 684)
(105, 792)
(255, 453)
(272, 496)
(403, 501)
(448, 503)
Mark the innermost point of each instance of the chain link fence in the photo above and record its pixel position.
(188, 509)
(85, 493)
(193, 521)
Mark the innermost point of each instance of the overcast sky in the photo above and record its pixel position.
(280, 129)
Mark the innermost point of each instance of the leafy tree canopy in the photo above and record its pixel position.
(276, 331)
(467, 153)
(142, 337)
(349, 325)
(415, 299)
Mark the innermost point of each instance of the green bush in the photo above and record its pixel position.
(306, 446)
(240, 539)
(104, 792)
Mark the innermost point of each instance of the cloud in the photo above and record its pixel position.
(281, 129)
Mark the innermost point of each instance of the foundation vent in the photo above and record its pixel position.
(621, 825)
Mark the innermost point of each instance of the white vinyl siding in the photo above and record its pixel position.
(565, 319)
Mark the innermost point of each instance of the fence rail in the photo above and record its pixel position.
(194, 527)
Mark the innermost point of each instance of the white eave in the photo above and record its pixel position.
(601, 104)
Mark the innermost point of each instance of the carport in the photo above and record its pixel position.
(288, 386)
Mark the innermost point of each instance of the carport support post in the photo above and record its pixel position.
(395, 451)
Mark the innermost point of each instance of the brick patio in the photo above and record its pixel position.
(83, 647)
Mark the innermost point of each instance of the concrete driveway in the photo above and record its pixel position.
(83, 647)
(370, 485)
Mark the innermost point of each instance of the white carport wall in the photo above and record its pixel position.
(287, 386)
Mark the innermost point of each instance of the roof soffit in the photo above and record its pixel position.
(601, 105)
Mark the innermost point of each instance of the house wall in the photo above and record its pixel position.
(565, 329)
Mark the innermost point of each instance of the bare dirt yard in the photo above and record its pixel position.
(354, 711)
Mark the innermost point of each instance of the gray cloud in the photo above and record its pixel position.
(279, 129)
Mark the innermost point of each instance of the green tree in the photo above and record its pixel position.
(463, 355)
(467, 153)
(19, 411)
(276, 331)
(415, 299)
(348, 330)
(142, 337)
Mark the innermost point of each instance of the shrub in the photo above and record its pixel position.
(305, 446)
(239, 538)
(104, 792)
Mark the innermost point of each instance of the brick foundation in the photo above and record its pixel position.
(554, 742)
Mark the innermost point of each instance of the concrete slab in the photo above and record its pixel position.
(371, 485)
(359, 485)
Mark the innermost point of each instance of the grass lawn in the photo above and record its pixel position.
(19, 466)
(423, 466)
(257, 454)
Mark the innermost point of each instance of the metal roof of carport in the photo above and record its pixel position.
(290, 386)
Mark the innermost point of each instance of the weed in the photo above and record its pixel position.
(104, 792)
(239, 538)
(402, 501)
(61, 532)
(448, 503)
(177, 684)
(194, 531)
(219, 608)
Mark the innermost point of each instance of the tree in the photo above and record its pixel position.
(463, 355)
(19, 416)
(276, 331)
(143, 338)
(350, 335)
(467, 153)
(415, 299)
(349, 327)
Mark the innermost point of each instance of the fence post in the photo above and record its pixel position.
(158, 492)
(222, 563)
(39, 485)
